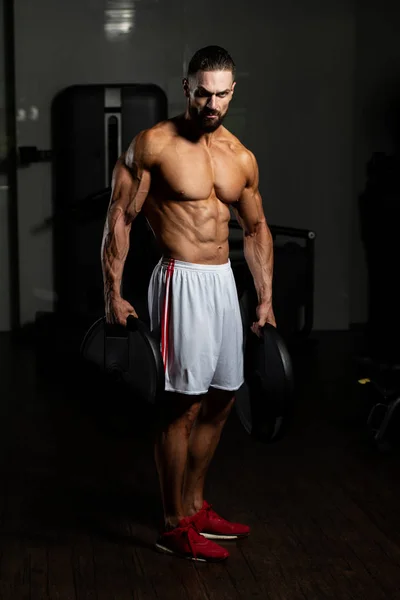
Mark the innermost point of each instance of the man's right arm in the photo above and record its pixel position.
(130, 186)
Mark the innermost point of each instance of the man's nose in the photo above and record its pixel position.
(212, 102)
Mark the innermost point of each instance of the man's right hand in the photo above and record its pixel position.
(118, 312)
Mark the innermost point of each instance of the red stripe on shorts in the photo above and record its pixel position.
(166, 312)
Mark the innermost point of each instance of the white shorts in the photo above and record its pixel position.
(194, 311)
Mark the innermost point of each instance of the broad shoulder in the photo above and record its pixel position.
(148, 144)
(245, 158)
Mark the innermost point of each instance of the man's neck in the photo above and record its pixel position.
(194, 132)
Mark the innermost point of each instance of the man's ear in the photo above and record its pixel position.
(233, 86)
(185, 83)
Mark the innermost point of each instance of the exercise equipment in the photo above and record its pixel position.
(381, 393)
(131, 356)
(264, 402)
(91, 126)
(127, 355)
(293, 277)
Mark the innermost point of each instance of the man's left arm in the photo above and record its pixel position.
(257, 242)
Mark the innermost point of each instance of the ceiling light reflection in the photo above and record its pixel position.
(119, 19)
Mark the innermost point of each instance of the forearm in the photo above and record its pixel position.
(259, 255)
(114, 250)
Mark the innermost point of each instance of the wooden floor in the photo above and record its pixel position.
(80, 506)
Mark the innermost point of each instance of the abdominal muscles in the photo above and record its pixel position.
(194, 231)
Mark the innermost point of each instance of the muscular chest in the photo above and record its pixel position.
(192, 173)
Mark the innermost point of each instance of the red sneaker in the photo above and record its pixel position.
(186, 542)
(212, 526)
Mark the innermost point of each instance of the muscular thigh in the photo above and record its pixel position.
(179, 408)
(216, 405)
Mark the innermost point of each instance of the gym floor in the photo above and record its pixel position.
(80, 506)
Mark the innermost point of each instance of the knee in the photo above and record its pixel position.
(216, 407)
(178, 413)
(189, 417)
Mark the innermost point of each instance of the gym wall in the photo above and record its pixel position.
(377, 92)
(5, 309)
(293, 107)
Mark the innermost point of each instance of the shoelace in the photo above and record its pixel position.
(209, 511)
(200, 519)
(189, 530)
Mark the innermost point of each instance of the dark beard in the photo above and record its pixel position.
(205, 125)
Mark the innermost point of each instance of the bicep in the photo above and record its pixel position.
(249, 207)
(130, 183)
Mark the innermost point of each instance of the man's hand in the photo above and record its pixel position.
(265, 314)
(118, 311)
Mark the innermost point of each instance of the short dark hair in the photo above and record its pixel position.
(211, 58)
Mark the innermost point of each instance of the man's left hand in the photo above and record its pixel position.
(265, 314)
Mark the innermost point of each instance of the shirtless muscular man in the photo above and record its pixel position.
(184, 174)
